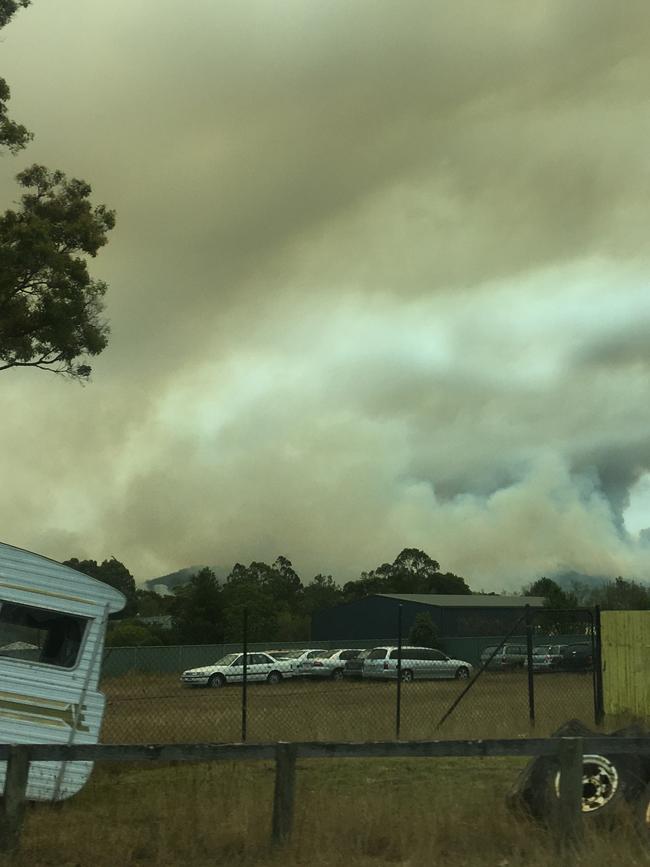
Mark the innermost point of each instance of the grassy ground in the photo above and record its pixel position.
(150, 708)
(377, 812)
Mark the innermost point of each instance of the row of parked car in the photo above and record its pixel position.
(546, 657)
(379, 663)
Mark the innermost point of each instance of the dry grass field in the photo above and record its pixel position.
(408, 812)
(147, 708)
(413, 813)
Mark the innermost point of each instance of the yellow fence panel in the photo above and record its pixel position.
(626, 662)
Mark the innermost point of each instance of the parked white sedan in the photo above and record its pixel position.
(230, 669)
(329, 663)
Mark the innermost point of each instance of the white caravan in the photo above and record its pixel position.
(49, 690)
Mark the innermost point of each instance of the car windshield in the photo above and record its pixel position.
(288, 654)
(228, 659)
(542, 649)
(326, 654)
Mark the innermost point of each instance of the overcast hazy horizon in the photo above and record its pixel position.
(379, 280)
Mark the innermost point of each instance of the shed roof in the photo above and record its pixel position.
(51, 584)
(473, 600)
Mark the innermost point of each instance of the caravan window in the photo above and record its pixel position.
(39, 635)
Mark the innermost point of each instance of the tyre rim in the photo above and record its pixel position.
(600, 782)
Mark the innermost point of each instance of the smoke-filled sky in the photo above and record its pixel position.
(379, 280)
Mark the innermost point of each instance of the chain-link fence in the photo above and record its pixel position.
(541, 673)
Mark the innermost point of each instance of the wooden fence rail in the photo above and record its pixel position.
(568, 750)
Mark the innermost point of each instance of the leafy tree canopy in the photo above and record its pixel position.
(423, 633)
(13, 136)
(622, 594)
(273, 597)
(321, 592)
(50, 307)
(198, 609)
(554, 595)
(412, 571)
(110, 572)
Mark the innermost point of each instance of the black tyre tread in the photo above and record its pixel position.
(534, 790)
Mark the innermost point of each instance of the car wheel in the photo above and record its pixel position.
(274, 677)
(407, 675)
(217, 681)
(337, 674)
(462, 673)
(608, 781)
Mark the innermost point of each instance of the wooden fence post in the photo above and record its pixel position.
(569, 813)
(13, 800)
(285, 779)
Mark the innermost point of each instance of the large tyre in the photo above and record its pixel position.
(217, 681)
(462, 673)
(608, 782)
(337, 674)
(274, 677)
(407, 675)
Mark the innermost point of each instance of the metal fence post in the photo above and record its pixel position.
(398, 706)
(244, 692)
(599, 704)
(529, 661)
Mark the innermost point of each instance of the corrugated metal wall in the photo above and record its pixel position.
(626, 662)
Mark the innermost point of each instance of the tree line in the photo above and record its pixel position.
(279, 604)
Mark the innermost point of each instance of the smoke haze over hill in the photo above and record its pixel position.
(379, 280)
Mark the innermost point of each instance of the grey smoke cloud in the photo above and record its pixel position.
(378, 280)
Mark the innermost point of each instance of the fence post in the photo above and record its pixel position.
(398, 706)
(569, 813)
(598, 669)
(529, 661)
(244, 692)
(283, 795)
(13, 801)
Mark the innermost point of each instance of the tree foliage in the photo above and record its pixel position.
(423, 633)
(273, 597)
(198, 610)
(50, 307)
(13, 136)
(278, 605)
(412, 571)
(111, 572)
(554, 595)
